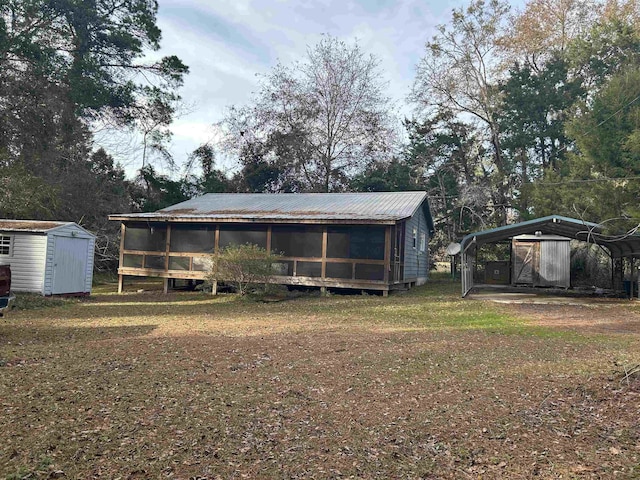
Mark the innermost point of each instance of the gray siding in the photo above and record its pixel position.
(68, 231)
(416, 263)
(555, 259)
(27, 261)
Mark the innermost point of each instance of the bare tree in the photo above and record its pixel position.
(460, 72)
(328, 114)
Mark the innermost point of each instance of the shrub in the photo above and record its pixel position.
(243, 266)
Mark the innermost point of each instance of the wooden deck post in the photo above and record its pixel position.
(165, 285)
(214, 287)
(167, 247)
(120, 260)
(387, 254)
(323, 273)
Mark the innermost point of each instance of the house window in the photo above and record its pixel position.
(5, 245)
(423, 242)
(414, 238)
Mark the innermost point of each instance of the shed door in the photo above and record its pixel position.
(69, 265)
(524, 254)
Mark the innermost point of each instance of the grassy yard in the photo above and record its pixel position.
(416, 385)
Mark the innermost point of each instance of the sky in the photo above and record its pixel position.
(227, 44)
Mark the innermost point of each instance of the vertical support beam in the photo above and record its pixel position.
(214, 287)
(123, 231)
(216, 245)
(166, 257)
(165, 285)
(269, 238)
(387, 253)
(323, 273)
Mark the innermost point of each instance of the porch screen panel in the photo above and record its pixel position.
(149, 238)
(241, 235)
(357, 242)
(309, 269)
(339, 270)
(193, 238)
(201, 264)
(369, 272)
(297, 241)
(155, 262)
(338, 242)
(179, 263)
(132, 261)
(367, 243)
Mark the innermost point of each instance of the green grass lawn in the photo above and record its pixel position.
(417, 385)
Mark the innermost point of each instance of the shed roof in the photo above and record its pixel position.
(367, 207)
(619, 246)
(35, 226)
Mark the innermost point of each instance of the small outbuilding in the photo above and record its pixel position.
(538, 253)
(541, 260)
(49, 258)
(370, 241)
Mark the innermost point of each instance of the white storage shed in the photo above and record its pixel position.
(49, 258)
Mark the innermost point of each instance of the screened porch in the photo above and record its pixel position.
(341, 256)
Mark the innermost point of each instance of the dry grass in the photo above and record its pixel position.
(420, 385)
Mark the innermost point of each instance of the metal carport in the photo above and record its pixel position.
(618, 247)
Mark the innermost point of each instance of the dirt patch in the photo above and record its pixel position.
(593, 317)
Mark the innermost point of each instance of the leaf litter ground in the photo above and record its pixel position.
(416, 385)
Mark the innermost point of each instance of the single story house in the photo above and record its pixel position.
(371, 241)
(49, 258)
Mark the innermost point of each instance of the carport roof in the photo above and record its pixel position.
(627, 245)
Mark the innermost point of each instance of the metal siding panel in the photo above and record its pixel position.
(555, 263)
(89, 271)
(69, 265)
(48, 272)
(467, 265)
(27, 262)
(374, 206)
(524, 255)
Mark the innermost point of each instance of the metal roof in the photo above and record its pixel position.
(376, 207)
(619, 246)
(34, 226)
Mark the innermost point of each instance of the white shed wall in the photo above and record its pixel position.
(27, 261)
